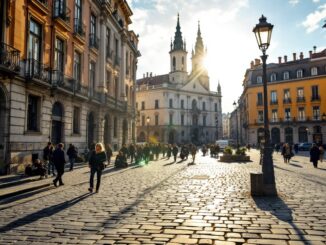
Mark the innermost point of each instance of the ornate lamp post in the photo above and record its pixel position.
(236, 118)
(148, 119)
(263, 33)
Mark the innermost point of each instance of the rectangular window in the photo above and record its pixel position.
(274, 115)
(34, 41)
(59, 57)
(286, 94)
(273, 97)
(260, 116)
(77, 68)
(92, 26)
(143, 120)
(300, 93)
(287, 114)
(204, 106)
(204, 120)
(316, 112)
(108, 43)
(92, 77)
(314, 92)
(182, 104)
(108, 81)
(143, 105)
(170, 103)
(76, 120)
(156, 120)
(301, 114)
(259, 99)
(215, 105)
(171, 119)
(33, 113)
(78, 17)
(156, 104)
(182, 119)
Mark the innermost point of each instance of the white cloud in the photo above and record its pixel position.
(315, 1)
(312, 21)
(294, 2)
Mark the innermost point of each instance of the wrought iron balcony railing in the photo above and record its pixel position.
(315, 98)
(9, 57)
(274, 102)
(35, 69)
(287, 101)
(57, 78)
(301, 99)
(61, 11)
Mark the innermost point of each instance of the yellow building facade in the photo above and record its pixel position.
(296, 100)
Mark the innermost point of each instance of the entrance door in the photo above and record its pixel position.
(288, 135)
(57, 123)
(171, 137)
(90, 130)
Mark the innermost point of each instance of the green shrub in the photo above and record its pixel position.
(241, 151)
(228, 150)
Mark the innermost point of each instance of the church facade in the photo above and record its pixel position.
(179, 107)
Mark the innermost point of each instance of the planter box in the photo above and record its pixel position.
(234, 158)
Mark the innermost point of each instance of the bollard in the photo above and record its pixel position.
(256, 182)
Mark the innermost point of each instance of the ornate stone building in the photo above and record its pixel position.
(179, 107)
(67, 74)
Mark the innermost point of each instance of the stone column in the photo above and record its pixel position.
(123, 67)
(102, 58)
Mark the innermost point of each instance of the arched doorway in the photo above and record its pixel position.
(303, 134)
(195, 136)
(276, 136)
(90, 130)
(171, 137)
(107, 130)
(3, 126)
(288, 135)
(124, 131)
(141, 137)
(317, 135)
(57, 123)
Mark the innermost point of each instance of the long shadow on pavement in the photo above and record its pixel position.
(277, 207)
(46, 212)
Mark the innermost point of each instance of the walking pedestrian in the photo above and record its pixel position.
(169, 151)
(109, 152)
(47, 158)
(314, 155)
(175, 151)
(132, 152)
(193, 150)
(96, 164)
(59, 163)
(72, 154)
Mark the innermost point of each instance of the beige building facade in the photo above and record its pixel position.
(179, 107)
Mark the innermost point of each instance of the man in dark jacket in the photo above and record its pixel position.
(314, 155)
(47, 158)
(59, 163)
(175, 151)
(72, 154)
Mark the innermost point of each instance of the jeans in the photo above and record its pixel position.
(50, 167)
(72, 162)
(98, 178)
(59, 176)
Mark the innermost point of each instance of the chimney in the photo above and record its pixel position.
(143, 75)
(251, 65)
(301, 55)
(146, 74)
(315, 49)
(310, 54)
(280, 60)
(294, 56)
(285, 59)
(151, 74)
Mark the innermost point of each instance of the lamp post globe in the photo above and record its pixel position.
(263, 33)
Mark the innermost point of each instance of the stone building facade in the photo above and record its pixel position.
(296, 100)
(179, 107)
(67, 74)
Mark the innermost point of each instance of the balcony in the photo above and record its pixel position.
(9, 58)
(301, 100)
(94, 41)
(57, 78)
(274, 102)
(42, 5)
(61, 13)
(315, 98)
(79, 28)
(34, 69)
(287, 101)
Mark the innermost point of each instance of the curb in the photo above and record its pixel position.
(33, 188)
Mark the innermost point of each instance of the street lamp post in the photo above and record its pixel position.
(237, 126)
(263, 33)
(148, 119)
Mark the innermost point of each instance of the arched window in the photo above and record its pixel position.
(286, 75)
(273, 77)
(299, 73)
(259, 79)
(174, 63)
(314, 71)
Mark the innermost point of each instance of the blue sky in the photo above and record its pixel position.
(226, 27)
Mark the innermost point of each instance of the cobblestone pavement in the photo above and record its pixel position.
(165, 203)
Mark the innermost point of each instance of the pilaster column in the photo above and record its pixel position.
(123, 67)
(102, 57)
